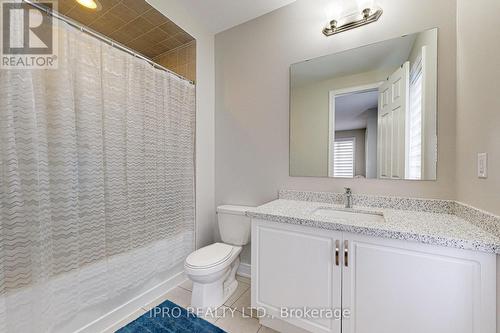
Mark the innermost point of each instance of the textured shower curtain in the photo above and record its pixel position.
(96, 184)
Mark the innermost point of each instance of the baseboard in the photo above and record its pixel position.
(107, 322)
(245, 270)
(280, 325)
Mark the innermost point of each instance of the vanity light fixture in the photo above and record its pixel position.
(368, 15)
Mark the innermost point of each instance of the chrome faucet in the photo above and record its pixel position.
(348, 195)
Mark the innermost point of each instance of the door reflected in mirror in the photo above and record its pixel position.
(369, 112)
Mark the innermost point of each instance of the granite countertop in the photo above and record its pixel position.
(424, 227)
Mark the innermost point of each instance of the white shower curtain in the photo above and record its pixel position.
(96, 184)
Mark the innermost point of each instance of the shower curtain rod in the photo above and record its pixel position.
(102, 37)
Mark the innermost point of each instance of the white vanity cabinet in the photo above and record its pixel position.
(296, 267)
(401, 286)
(388, 286)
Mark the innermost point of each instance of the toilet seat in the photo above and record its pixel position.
(210, 256)
(212, 269)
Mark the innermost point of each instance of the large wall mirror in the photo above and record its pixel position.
(368, 112)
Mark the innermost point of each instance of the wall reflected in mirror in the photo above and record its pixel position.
(369, 112)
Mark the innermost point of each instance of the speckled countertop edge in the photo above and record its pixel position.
(441, 228)
(478, 217)
(365, 200)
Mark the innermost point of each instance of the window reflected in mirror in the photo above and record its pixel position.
(369, 112)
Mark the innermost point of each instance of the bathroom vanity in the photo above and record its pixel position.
(385, 270)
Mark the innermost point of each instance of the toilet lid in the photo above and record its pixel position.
(210, 255)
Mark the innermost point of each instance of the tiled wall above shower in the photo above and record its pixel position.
(139, 26)
(181, 60)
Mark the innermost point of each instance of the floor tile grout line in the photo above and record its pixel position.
(236, 300)
(184, 288)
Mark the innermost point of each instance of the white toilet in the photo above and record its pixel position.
(213, 268)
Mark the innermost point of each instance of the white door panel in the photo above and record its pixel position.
(393, 99)
(398, 143)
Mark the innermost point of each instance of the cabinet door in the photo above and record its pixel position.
(393, 286)
(294, 267)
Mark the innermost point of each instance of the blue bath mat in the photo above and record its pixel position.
(168, 317)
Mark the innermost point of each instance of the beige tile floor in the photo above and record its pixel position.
(235, 316)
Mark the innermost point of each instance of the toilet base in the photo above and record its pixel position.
(214, 294)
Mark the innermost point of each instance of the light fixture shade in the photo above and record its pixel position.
(90, 4)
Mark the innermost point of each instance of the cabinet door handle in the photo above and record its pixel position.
(346, 253)
(337, 254)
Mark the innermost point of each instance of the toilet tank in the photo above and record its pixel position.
(234, 226)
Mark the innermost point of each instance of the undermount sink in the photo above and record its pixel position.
(345, 214)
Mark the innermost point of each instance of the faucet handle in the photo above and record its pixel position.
(347, 190)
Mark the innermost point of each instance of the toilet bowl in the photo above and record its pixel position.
(212, 269)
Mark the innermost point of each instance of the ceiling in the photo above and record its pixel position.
(382, 56)
(351, 110)
(220, 15)
(134, 23)
(137, 25)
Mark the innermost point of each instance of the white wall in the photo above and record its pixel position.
(478, 107)
(252, 97)
(309, 131)
(205, 102)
